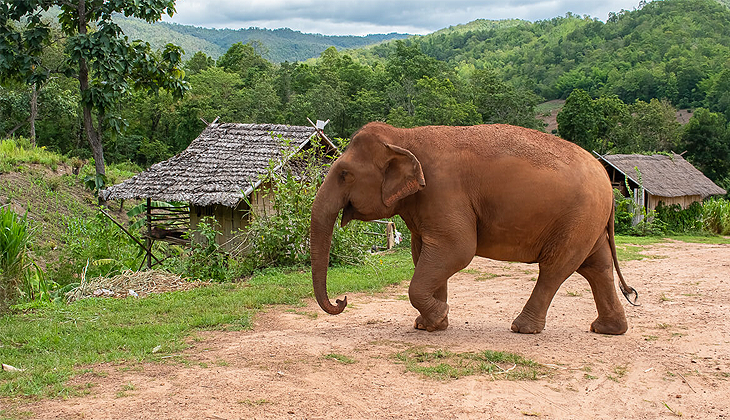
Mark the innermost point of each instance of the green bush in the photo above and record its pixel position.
(20, 277)
(94, 247)
(205, 260)
(281, 238)
(716, 216)
(16, 151)
(680, 220)
(626, 210)
(14, 248)
(624, 213)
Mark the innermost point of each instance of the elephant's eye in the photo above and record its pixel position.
(346, 176)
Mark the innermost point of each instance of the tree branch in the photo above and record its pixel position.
(10, 133)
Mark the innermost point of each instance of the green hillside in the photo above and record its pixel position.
(662, 50)
(160, 34)
(281, 44)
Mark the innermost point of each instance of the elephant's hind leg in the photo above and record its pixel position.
(532, 318)
(598, 270)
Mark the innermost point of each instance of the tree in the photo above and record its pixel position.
(576, 121)
(655, 127)
(594, 124)
(707, 142)
(499, 102)
(103, 60)
(436, 104)
(199, 62)
(244, 60)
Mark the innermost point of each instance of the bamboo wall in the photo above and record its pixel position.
(684, 201)
(231, 220)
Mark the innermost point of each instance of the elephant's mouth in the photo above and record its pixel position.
(348, 213)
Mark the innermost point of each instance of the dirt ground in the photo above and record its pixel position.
(674, 360)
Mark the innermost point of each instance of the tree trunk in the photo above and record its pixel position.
(33, 112)
(92, 134)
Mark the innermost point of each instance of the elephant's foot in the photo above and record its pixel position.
(527, 325)
(440, 326)
(614, 326)
(441, 323)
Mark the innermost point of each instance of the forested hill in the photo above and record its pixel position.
(662, 50)
(279, 44)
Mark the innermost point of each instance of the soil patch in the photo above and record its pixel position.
(299, 363)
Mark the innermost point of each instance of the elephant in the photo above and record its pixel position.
(497, 191)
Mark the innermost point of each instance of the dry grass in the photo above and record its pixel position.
(130, 283)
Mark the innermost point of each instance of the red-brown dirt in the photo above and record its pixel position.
(674, 360)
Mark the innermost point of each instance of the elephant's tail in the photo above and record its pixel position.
(625, 289)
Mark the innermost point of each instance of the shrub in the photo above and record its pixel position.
(205, 259)
(14, 248)
(680, 220)
(94, 247)
(281, 238)
(626, 210)
(716, 216)
(20, 276)
(16, 151)
(624, 213)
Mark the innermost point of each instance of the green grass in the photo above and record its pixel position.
(16, 152)
(547, 107)
(444, 365)
(53, 343)
(651, 240)
(340, 358)
(632, 247)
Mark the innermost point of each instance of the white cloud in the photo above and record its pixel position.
(360, 17)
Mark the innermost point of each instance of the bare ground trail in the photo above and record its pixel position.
(674, 360)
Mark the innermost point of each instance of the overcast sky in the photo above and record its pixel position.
(362, 17)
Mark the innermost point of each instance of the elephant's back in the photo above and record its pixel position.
(493, 140)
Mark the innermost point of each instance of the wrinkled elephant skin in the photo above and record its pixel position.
(496, 191)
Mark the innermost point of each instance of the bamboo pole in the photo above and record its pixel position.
(149, 233)
(141, 245)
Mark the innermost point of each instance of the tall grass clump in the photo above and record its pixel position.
(15, 236)
(94, 247)
(16, 151)
(716, 216)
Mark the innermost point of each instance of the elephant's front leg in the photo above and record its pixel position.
(428, 291)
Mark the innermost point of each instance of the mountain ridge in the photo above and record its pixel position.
(282, 44)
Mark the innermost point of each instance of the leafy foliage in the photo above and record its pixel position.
(716, 216)
(707, 140)
(14, 249)
(281, 237)
(205, 260)
(93, 247)
(680, 220)
(106, 64)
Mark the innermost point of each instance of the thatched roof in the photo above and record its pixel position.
(665, 176)
(222, 166)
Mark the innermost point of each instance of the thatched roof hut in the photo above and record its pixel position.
(666, 178)
(222, 166)
(220, 172)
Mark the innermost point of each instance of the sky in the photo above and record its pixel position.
(362, 17)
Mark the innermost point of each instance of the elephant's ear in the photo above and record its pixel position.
(403, 175)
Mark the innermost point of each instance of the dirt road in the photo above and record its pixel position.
(299, 363)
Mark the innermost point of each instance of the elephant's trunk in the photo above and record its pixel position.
(324, 214)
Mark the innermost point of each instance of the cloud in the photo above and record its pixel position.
(359, 17)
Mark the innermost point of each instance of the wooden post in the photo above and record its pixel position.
(390, 235)
(149, 233)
